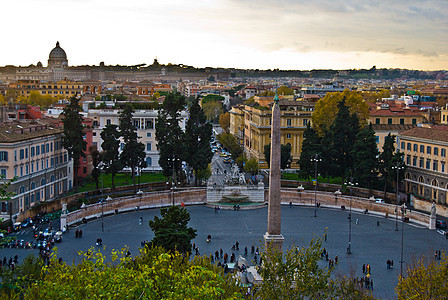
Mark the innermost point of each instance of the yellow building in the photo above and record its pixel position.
(62, 88)
(252, 125)
(425, 154)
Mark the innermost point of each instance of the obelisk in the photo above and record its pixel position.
(273, 237)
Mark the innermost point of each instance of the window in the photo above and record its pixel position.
(32, 167)
(108, 122)
(84, 170)
(27, 169)
(56, 145)
(402, 145)
(149, 124)
(421, 163)
(422, 149)
(42, 149)
(408, 146)
(436, 151)
(288, 122)
(428, 164)
(377, 121)
(22, 154)
(428, 149)
(415, 147)
(288, 136)
(435, 165)
(37, 150)
(148, 147)
(21, 170)
(148, 134)
(33, 151)
(15, 155)
(305, 122)
(26, 152)
(389, 121)
(3, 156)
(51, 146)
(148, 161)
(408, 159)
(442, 169)
(377, 139)
(15, 171)
(443, 152)
(37, 166)
(414, 121)
(414, 161)
(94, 133)
(401, 121)
(47, 148)
(57, 160)
(52, 161)
(3, 172)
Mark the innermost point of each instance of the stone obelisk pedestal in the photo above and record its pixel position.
(273, 237)
(432, 222)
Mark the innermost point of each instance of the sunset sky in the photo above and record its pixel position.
(255, 34)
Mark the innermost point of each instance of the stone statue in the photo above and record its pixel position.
(64, 207)
(433, 209)
(235, 171)
(242, 179)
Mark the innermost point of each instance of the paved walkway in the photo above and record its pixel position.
(371, 244)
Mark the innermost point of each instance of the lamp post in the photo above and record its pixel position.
(315, 159)
(300, 189)
(349, 249)
(398, 167)
(403, 213)
(336, 194)
(140, 194)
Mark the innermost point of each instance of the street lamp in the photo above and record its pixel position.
(315, 159)
(349, 249)
(336, 194)
(140, 193)
(403, 213)
(300, 189)
(398, 167)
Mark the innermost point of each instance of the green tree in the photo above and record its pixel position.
(365, 155)
(224, 121)
(204, 174)
(5, 195)
(18, 280)
(111, 155)
(229, 142)
(212, 97)
(284, 90)
(133, 154)
(388, 160)
(171, 231)
(310, 147)
(169, 135)
(251, 166)
(96, 160)
(343, 131)
(285, 155)
(212, 109)
(198, 133)
(327, 108)
(425, 279)
(73, 140)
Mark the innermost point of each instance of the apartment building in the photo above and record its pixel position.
(32, 152)
(62, 88)
(425, 154)
(256, 125)
(144, 121)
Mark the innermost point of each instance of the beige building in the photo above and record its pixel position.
(252, 125)
(32, 151)
(425, 154)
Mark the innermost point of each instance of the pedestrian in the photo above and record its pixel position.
(392, 264)
(388, 264)
(197, 251)
(4, 260)
(363, 269)
(194, 246)
(357, 221)
(216, 255)
(371, 284)
(439, 254)
(257, 252)
(256, 259)
(336, 259)
(368, 269)
(245, 251)
(226, 257)
(326, 256)
(211, 258)
(325, 237)
(220, 252)
(76, 233)
(252, 249)
(237, 245)
(80, 233)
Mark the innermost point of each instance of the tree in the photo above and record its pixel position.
(343, 131)
(73, 140)
(96, 160)
(5, 195)
(425, 279)
(327, 108)
(133, 154)
(224, 121)
(365, 155)
(202, 174)
(285, 155)
(111, 155)
(284, 90)
(198, 133)
(18, 280)
(3, 100)
(251, 166)
(229, 142)
(171, 231)
(212, 110)
(310, 147)
(389, 159)
(169, 135)
(212, 97)
(295, 274)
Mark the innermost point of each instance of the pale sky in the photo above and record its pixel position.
(255, 34)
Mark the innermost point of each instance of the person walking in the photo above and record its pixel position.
(363, 269)
(245, 251)
(76, 233)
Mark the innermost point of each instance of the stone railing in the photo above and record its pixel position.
(147, 200)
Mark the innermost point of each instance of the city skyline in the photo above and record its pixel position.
(246, 34)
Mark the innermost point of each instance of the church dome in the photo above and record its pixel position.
(58, 52)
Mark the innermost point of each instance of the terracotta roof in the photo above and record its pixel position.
(440, 133)
(392, 127)
(21, 131)
(395, 112)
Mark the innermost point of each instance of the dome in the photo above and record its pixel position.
(58, 52)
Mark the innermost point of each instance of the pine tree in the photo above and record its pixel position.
(96, 160)
(111, 154)
(133, 154)
(169, 135)
(365, 155)
(73, 140)
(388, 160)
(198, 133)
(285, 155)
(310, 147)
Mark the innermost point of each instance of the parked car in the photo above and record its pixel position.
(58, 236)
(379, 200)
(441, 224)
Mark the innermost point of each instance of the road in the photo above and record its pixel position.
(219, 170)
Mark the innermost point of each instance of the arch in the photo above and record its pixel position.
(434, 191)
(407, 176)
(42, 182)
(87, 89)
(51, 178)
(420, 186)
(33, 185)
(22, 189)
(95, 89)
